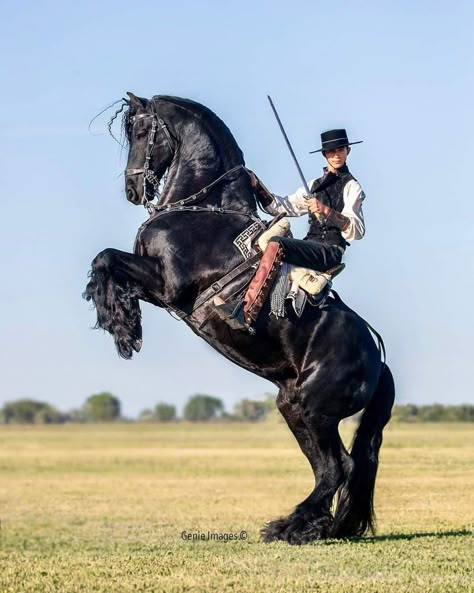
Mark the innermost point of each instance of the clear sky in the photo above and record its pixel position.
(398, 75)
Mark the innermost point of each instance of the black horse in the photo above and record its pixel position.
(325, 363)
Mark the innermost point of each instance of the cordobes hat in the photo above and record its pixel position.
(334, 139)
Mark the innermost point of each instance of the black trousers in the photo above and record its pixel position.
(310, 254)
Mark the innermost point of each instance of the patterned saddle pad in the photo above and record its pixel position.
(286, 294)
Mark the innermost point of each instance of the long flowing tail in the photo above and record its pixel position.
(354, 513)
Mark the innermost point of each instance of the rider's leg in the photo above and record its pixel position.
(241, 313)
(309, 254)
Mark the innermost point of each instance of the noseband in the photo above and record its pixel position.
(147, 172)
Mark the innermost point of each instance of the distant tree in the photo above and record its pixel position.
(201, 408)
(405, 413)
(164, 412)
(251, 410)
(465, 413)
(29, 411)
(434, 413)
(146, 415)
(101, 407)
(49, 415)
(270, 402)
(76, 415)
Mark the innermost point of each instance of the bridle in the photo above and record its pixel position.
(147, 172)
(149, 175)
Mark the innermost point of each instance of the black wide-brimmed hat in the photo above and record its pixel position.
(334, 139)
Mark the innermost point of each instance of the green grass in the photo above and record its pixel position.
(102, 509)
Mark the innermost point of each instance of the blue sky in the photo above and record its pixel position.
(397, 75)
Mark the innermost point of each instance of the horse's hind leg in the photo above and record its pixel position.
(117, 281)
(319, 440)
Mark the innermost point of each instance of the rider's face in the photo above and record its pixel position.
(337, 157)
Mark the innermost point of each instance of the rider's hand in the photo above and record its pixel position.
(316, 207)
(326, 214)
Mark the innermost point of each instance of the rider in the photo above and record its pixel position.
(335, 213)
(335, 209)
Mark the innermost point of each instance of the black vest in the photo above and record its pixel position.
(329, 190)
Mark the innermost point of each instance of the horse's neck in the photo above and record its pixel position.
(186, 177)
(189, 173)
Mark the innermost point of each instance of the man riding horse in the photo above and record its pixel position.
(325, 362)
(335, 212)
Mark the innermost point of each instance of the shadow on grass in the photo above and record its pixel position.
(400, 537)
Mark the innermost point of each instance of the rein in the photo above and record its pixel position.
(197, 197)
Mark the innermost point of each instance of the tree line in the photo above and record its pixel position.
(106, 407)
(433, 413)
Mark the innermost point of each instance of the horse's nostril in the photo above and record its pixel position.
(131, 195)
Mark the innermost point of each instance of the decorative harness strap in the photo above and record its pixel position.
(147, 172)
(222, 282)
(197, 197)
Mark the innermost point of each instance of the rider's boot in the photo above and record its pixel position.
(241, 314)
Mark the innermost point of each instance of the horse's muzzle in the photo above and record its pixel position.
(131, 192)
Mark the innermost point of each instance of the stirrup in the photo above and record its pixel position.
(233, 315)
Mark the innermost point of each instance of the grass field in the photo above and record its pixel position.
(103, 508)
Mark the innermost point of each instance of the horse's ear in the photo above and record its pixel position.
(134, 100)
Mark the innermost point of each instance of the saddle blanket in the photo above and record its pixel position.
(285, 292)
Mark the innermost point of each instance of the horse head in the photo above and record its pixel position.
(151, 150)
(185, 143)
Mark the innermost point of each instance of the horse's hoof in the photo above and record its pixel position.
(274, 531)
(296, 530)
(311, 531)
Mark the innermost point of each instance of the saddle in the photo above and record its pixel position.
(314, 284)
(273, 277)
(311, 281)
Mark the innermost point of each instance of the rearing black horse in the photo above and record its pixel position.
(325, 363)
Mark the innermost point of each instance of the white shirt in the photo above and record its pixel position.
(353, 196)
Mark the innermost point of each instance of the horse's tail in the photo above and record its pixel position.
(354, 513)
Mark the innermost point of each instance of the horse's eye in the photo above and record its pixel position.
(141, 129)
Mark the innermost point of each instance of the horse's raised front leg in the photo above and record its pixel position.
(117, 281)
